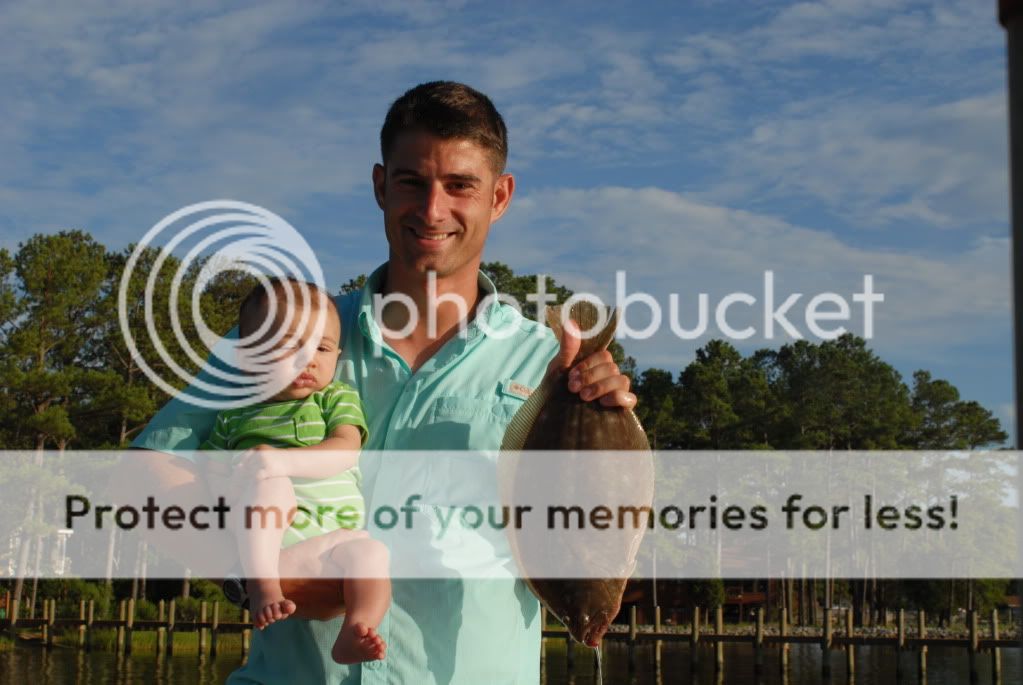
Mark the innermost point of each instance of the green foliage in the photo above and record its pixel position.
(352, 285)
(67, 378)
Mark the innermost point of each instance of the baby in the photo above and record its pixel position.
(295, 458)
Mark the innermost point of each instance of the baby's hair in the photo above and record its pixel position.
(255, 307)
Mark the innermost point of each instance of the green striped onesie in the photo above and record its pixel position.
(323, 505)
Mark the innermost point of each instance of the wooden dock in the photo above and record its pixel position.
(975, 645)
(209, 628)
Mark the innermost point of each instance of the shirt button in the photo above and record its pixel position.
(374, 664)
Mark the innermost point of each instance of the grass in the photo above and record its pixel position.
(142, 642)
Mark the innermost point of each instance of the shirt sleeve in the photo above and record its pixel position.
(182, 426)
(342, 406)
(218, 436)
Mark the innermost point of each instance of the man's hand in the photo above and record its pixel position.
(597, 376)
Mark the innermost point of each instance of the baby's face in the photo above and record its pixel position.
(306, 359)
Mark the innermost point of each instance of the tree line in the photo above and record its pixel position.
(69, 381)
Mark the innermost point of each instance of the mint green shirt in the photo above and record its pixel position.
(448, 632)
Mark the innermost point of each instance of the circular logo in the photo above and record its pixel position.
(215, 237)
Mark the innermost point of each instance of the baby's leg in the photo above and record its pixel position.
(263, 514)
(363, 565)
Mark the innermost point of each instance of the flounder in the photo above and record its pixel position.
(553, 418)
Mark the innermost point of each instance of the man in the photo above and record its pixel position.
(425, 387)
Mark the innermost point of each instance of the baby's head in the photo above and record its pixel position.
(307, 354)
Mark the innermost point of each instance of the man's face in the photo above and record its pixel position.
(439, 197)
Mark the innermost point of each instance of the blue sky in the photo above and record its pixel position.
(694, 145)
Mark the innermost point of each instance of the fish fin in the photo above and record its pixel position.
(587, 316)
(518, 429)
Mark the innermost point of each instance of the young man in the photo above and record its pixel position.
(441, 186)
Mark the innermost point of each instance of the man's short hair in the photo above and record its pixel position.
(447, 110)
(255, 307)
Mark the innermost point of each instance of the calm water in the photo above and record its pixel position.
(873, 666)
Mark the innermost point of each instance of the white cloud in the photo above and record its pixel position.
(944, 165)
(669, 243)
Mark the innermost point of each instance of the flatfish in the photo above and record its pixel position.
(553, 418)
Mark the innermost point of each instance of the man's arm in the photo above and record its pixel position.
(150, 469)
(335, 454)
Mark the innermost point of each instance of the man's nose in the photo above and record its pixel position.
(433, 207)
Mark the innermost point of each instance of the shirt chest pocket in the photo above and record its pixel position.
(489, 410)
(465, 423)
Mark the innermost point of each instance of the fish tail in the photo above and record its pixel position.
(588, 317)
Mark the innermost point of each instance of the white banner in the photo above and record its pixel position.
(540, 514)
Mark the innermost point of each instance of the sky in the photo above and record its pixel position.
(693, 146)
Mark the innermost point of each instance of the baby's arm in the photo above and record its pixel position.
(337, 452)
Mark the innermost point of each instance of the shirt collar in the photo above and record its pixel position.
(494, 315)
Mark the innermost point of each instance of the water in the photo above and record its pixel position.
(38, 666)
(874, 666)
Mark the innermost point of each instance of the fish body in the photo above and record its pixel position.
(553, 418)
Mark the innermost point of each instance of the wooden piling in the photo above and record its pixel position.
(214, 628)
(45, 617)
(122, 610)
(52, 621)
(170, 628)
(826, 639)
(694, 641)
(129, 626)
(247, 635)
(203, 607)
(81, 624)
(996, 652)
(161, 630)
(90, 616)
(719, 646)
(657, 643)
(758, 642)
(46, 627)
(783, 630)
(15, 606)
(901, 643)
(632, 638)
(921, 631)
(971, 617)
(850, 651)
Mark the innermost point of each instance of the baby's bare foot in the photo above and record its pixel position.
(268, 602)
(358, 642)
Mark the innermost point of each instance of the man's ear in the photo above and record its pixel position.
(379, 180)
(504, 188)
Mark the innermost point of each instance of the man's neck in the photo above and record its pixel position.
(432, 328)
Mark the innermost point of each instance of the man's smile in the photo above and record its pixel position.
(430, 237)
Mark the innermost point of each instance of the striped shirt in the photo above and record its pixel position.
(323, 504)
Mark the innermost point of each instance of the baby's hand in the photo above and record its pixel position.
(261, 462)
